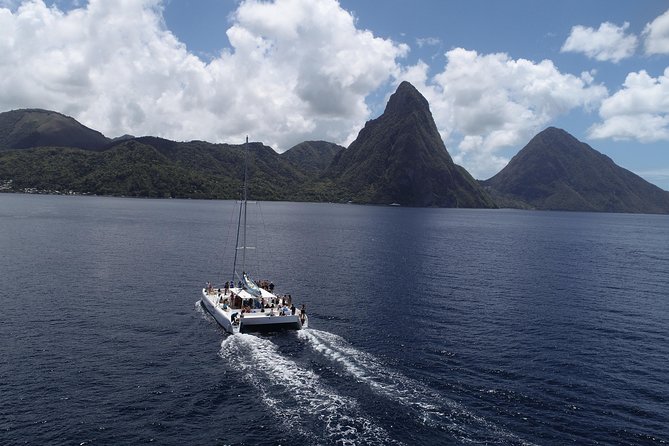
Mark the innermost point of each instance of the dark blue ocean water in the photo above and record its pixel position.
(427, 326)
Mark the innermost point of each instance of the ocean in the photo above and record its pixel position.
(427, 326)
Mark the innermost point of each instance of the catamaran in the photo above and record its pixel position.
(243, 305)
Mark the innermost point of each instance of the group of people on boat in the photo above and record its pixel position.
(280, 309)
(277, 305)
(266, 285)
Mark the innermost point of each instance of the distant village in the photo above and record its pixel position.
(7, 186)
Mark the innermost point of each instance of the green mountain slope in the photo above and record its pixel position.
(153, 167)
(20, 129)
(556, 171)
(312, 157)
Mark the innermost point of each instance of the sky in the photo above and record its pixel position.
(284, 71)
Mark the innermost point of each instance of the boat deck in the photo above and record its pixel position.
(246, 312)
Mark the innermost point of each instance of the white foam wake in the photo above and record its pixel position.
(426, 405)
(200, 309)
(297, 395)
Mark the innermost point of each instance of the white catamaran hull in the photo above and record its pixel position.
(224, 318)
(236, 321)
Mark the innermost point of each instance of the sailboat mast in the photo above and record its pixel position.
(242, 211)
(246, 166)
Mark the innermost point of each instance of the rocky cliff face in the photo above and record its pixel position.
(400, 158)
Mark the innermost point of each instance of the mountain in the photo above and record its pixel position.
(270, 176)
(558, 172)
(46, 151)
(400, 158)
(20, 129)
(152, 167)
(397, 158)
(312, 157)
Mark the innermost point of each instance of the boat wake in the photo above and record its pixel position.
(423, 404)
(298, 396)
(198, 307)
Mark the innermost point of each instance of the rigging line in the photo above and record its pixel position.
(239, 221)
(253, 241)
(234, 264)
(265, 234)
(261, 241)
(228, 238)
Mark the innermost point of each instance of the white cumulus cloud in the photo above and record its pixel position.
(607, 43)
(639, 110)
(297, 69)
(656, 34)
(483, 103)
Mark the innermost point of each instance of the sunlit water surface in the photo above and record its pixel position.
(427, 326)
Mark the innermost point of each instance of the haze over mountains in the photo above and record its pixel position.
(398, 158)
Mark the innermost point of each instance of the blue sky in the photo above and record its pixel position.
(495, 72)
